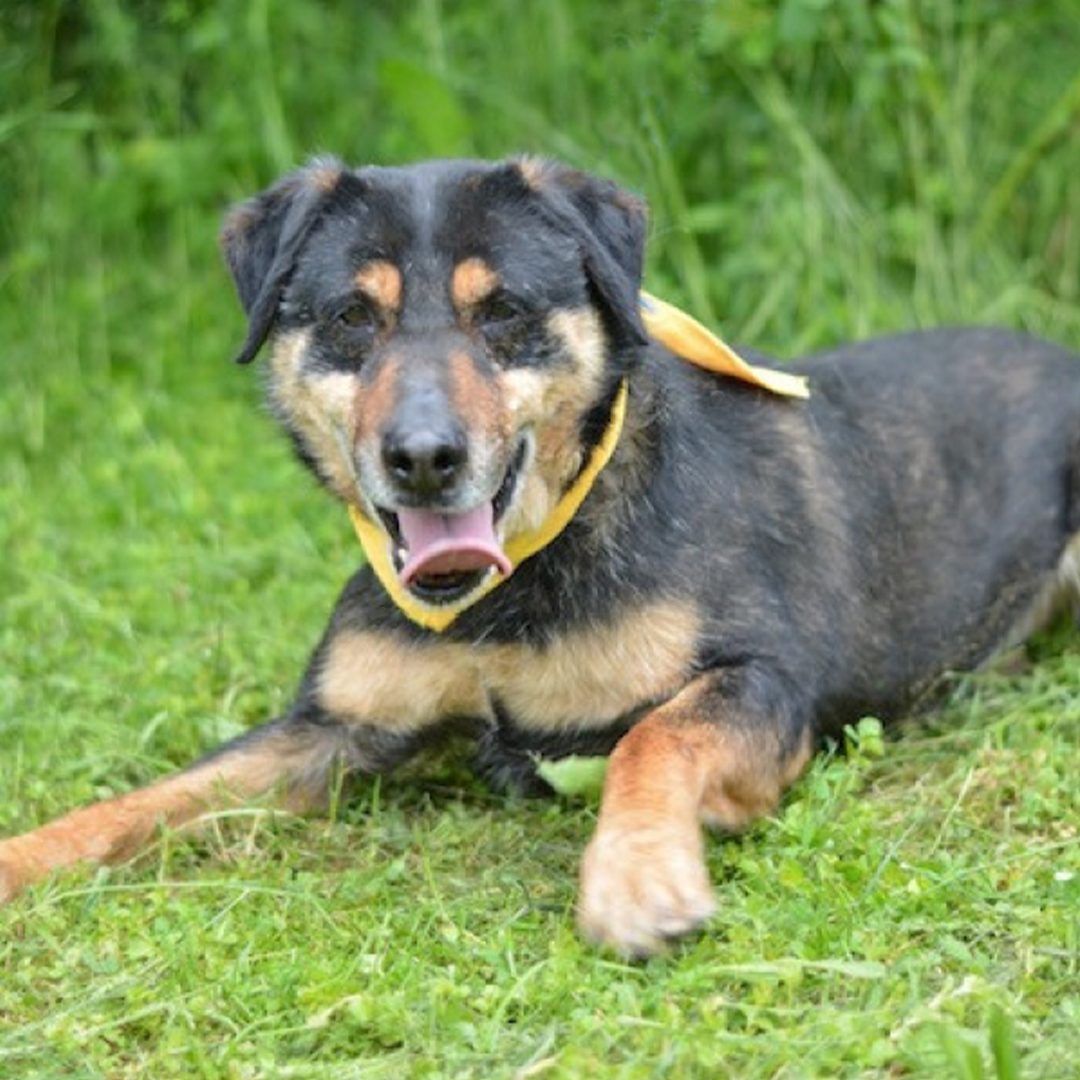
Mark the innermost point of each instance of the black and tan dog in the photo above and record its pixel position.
(580, 544)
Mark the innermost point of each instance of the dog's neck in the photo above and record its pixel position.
(634, 461)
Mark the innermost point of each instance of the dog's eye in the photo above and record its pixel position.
(497, 312)
(357, 316)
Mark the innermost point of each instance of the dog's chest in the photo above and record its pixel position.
(586, 678)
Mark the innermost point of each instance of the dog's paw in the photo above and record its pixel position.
(642, 886)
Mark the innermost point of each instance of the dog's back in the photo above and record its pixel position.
(911, 518)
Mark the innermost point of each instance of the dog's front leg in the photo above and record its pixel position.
(719, 752)
(296, 759)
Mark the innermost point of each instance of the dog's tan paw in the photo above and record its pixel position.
(640, 887)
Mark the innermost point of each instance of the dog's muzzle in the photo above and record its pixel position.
(442, 555)
(435, 564)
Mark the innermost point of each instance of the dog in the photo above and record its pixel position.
(579, 543)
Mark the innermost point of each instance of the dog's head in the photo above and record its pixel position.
(447, 342)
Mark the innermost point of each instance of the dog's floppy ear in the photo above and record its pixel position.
(262, 237)
(609, 224)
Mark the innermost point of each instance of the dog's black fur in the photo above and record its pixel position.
(748, 573)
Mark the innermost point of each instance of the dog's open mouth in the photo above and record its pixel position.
(442, 557)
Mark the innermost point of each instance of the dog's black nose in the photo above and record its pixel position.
(425, 461)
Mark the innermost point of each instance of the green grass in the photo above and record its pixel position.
(818, 170)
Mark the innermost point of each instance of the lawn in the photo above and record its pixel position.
(817, 171)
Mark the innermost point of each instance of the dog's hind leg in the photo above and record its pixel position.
(294, 759)
(719, 752)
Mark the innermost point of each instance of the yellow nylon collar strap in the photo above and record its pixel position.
(691, 341)
(377, 548)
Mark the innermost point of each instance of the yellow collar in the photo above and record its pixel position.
(691, 341)
(518, 548)
(674, 329)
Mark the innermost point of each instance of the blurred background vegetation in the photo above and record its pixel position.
(817, 168)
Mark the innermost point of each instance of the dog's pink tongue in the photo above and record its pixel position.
(450, 543)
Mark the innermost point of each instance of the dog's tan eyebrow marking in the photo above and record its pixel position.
(534, 171)
(325, 175)
(472, 281)
(380, 281)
